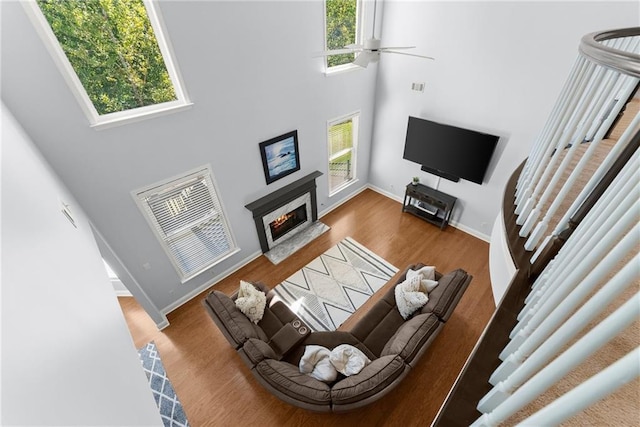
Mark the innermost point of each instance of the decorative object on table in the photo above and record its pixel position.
(416, 180)
(280, 156)
(325, 292)
(168, 403)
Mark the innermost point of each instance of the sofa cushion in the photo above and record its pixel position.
(378, 325)
(411, 336)
(237, 325)
(287, 379)
(330, 340)
(374, 378)
(444, 298)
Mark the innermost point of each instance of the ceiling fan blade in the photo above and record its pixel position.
(354, 46)
(334, 52)
(408, 54)
(398, 47)
(364, 58)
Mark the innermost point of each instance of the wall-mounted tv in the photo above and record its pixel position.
(448, 151)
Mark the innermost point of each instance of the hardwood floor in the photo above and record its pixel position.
(217, 389)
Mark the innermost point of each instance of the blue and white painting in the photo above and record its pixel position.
(281, 157)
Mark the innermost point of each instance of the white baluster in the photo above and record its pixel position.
(583, 279)
(549, 375)
(544, 343)
(597, 387)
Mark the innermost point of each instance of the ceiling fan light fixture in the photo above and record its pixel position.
(372, 44)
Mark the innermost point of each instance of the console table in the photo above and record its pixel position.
(429, 204)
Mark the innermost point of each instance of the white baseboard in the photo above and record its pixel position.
(194, 293)
(454, 224)
(386, 193)
(121, 293)
(343, 201)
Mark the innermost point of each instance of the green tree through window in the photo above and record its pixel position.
(112, 48)
(341, 29)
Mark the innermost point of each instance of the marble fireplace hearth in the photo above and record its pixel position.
(287, 219)
(290, 246)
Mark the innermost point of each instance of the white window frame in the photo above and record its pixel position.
(103, 121)
(355, 117)
(141, 194)
(359, 39)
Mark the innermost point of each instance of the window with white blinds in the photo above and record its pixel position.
(343, 137)
(187, 217)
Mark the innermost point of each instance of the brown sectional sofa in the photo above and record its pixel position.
(272, 349)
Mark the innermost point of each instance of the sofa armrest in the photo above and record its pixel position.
(444, 298)
(413, 337)
(288, 337)
(255, 351)
(234, 325)
(282, 312)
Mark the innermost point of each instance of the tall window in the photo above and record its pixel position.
(114, 55)
(188, 219)
(343, 138)
(342, 28)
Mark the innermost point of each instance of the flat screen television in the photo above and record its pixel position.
(448, 151)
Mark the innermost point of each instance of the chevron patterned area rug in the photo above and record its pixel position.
(329, 289)
(170, 407)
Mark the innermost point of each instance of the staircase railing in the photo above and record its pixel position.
(571, 215)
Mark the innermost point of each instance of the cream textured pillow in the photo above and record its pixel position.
(409, 296)
(316, 362)
(427, 281)
(348, 360)
(251, 301)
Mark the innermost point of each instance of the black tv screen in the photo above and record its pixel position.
(449, 151)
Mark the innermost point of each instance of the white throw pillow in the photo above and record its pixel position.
(316, 363)
(348, 360)
(409, 298)
(251, 301)
(428, 274)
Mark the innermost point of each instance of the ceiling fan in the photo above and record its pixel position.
(370, 51)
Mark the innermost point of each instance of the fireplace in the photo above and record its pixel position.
(287, 222)
(285, 212)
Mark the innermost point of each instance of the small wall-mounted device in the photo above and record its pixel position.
(418, 87)
(67, 213)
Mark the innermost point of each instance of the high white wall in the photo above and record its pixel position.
(67, 356)
(250, 71)
(499, 68)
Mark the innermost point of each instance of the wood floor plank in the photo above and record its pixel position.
(217, 389)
